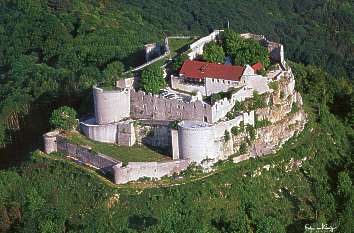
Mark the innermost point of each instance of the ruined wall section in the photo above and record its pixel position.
(106, 133)
(152, 107)
(154, 135)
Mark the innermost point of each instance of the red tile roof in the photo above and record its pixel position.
(201, 70)
(257, 66)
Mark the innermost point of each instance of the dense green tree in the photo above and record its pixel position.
(269, 225)
(244, 51)
(112, 73)
(213, 52)
(64, 118)
(152, 79)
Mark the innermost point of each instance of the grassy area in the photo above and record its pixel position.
(178, 46)
(122, 153)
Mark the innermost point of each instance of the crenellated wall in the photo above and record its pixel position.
(152, 107)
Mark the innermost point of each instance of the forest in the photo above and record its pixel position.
(53, 51)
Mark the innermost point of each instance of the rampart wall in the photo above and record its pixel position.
(154, 170)
(197, 47)
(122, 174)
(86, 155)
(152, 107)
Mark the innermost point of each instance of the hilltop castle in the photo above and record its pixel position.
(185, 123)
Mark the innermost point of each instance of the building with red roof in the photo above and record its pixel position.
(208, 78)
(200, 70)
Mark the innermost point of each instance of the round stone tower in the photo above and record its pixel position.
(196, 141)
(111, 106)
(50, 141)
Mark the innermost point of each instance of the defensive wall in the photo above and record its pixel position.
(153, 170)
(54, 142)
(197, 46)
(153, 107)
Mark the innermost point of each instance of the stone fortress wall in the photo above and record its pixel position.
(153, 107)
(54, 142)
(197, 46)
(156, 170)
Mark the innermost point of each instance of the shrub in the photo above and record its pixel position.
(243, 148)
(213, 53)
(294, 108)
(258, 101)
(242, 126)
(227, 136)
(251, 132)
(262, 123)
(64, 118)
(282, 95)
(235, 130)
(274, 85)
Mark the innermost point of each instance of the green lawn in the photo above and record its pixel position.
(176, 45)
(122, 153)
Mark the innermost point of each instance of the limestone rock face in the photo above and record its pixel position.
(287, 117)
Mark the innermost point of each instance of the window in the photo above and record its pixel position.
(178, 106)
(205, 119)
